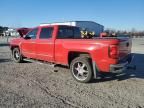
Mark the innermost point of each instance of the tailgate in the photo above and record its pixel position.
(125, 45)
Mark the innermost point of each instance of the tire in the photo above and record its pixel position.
(16, 55)
(81, 69)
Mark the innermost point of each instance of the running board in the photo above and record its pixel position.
(40, 62)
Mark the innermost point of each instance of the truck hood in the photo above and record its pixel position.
(23, 31)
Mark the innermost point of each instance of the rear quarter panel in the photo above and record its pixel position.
(97, 48)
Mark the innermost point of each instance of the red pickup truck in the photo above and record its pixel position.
(60, 44)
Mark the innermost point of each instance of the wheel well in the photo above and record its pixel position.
(14, 47)
(73, 55)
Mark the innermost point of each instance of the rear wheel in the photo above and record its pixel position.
(81, 69)
(16, 55)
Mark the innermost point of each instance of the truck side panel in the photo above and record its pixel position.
(98, 50)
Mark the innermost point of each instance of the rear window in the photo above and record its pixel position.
(66, 32)
(46, 33)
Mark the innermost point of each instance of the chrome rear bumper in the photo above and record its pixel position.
(118, 68)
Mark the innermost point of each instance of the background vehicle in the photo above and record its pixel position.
(62, 44)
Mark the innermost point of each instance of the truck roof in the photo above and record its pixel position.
(43, 25)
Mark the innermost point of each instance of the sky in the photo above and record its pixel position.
(116, 14)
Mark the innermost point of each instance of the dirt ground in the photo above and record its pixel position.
(34, 85)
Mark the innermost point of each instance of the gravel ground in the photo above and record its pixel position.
(33, 85)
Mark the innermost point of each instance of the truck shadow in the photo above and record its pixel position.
(5, 60)
(4, 44)
(138, 73)
(10, 60)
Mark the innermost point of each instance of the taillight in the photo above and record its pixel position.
(113, 51)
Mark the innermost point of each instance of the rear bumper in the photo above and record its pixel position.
(123, 65)
(118, 68)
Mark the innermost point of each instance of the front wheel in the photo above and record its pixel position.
(81, 69)
(16, 55)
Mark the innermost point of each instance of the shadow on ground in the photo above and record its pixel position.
(4, 44)
(4, 60)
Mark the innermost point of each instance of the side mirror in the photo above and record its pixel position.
(22, 36)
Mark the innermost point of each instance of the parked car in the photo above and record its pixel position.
(62, 44)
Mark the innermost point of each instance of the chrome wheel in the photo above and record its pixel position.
(80, 71)
(17, 57)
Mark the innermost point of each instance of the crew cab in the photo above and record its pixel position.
(61, 44)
